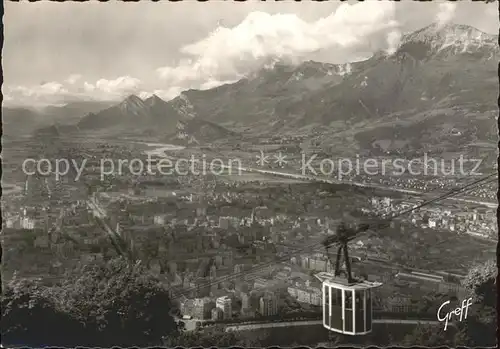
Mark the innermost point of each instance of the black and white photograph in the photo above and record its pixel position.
(249, 174)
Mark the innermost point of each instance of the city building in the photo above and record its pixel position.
(227, 222)
(238, 268)
(27, 218)
(159, 219)
(400, 304)
(306, 294)
(269, 304)
(27, 223)
(213, 272)
(224, 222)
(10, 222)
(225, 305)
(282, 275)
(316, 297)
(187, 306)
(217, 314)
(387, 201)
(201, 210)
(262, 283)
(246, 302)
(456, 289)
(317, 262)
(202, 308)
(218, 260)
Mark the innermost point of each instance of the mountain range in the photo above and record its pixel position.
(437, 90)
(24, 121)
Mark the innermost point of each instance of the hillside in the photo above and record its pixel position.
(153, 117)
(19, 122)
(439, 96)
(23, 121)
(258, 103)
(437, 90)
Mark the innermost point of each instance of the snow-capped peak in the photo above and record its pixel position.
(455, 37)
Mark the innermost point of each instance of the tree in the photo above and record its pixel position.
(31, 318)
(334, 339)
(481, 282)
(120, 303)
(481, 324)
(214, 337)
(428, 336)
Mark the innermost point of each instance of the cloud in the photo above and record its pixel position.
(164, 94)
(50, 92)
(72, 89)
(112, 89)
(446, 13)
(228, 54)
(393, 40)
(73, 79)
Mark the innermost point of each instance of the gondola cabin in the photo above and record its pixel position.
(347, 307)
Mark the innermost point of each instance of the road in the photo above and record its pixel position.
(96, 208)
(320, 322)
(100, 214)
(484, 203)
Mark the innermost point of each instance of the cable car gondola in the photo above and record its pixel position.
(347, 302)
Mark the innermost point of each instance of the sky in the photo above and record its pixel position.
(58, 52)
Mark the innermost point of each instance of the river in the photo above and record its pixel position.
(160, 149)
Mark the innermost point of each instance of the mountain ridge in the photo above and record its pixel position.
(449, 40)
(152, 117)
(429, 79)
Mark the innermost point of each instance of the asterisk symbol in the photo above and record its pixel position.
(280, 159)
(262, 159)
